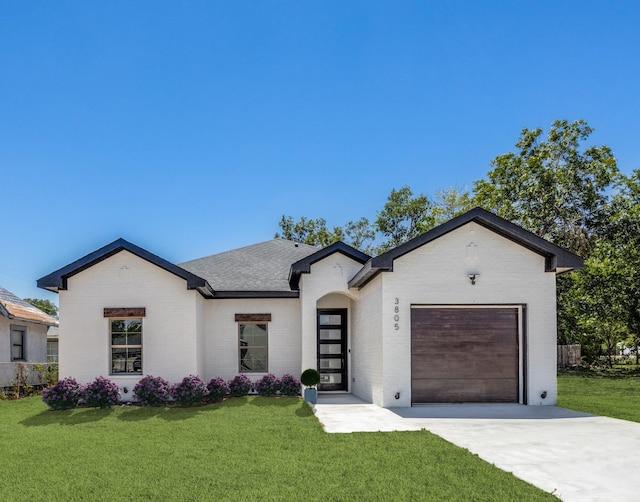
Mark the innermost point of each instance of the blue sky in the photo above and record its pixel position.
(190, 128)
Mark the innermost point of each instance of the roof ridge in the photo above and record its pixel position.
(254, 245)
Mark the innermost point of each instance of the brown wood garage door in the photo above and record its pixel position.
(464, 354)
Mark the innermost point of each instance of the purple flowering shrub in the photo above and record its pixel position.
(64, 394)
(152, 391)
(240, 385)
(289, 385)
(218, 388)
(192, 390)
(268, 385)
(101, 393)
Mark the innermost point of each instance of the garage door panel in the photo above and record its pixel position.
(477, 390)
(464, 354)
(492, 319)
(488, 366)
(478, 345)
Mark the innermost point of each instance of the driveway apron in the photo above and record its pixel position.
(575, 456)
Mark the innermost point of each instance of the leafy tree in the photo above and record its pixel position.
(44, 305)
(449, 203)
(622, 230)
(361, 234)
(600, 305)
(403, 217)
(309, 231)
(595, 303)
(552, 187)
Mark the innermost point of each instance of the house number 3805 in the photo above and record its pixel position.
(396, 314)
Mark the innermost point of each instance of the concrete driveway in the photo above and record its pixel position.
(575, 456)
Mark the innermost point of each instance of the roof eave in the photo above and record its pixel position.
(255, 294)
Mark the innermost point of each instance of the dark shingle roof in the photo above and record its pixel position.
(16, 308)
(260, 267)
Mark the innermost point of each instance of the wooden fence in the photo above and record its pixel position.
(568, 356)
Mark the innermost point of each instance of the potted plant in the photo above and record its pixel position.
(310, 378)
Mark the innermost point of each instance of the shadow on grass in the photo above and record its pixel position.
(134, 413)
(304, 411)
(302, 408)
(67, 417)
(168, 413)
(279, 401)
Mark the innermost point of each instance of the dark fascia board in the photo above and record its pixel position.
(222, 295)
(58, 280)
(557, 259)
(304, 266)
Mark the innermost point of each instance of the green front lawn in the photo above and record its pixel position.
(616, 396)
(243, 449)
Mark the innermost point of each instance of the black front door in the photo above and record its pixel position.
(332, 349)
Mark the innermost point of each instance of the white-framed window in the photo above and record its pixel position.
(18, 343)
(253, 348)
(52, 351)
(125, 337)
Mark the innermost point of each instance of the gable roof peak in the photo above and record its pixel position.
(57, 280)
(303, 266)
(557, 259)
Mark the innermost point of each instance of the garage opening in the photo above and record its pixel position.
(465, 354)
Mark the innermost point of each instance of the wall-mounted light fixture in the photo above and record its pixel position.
(125, 390)
(397, 396)
(472, 278)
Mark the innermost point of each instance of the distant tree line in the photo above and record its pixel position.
(558, 188)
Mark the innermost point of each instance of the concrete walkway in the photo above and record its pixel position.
(575, 456)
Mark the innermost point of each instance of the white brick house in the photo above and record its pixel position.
(463, 313)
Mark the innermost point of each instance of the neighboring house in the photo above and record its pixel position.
(23, 336)
(463, 313)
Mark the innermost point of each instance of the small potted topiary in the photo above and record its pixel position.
(310, 378)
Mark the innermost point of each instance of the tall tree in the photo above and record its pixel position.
(308, 231)
(598, 325)
(361, 234)
(449, 203)
(403, 217)
(553, 187)
(599, 307)
(621, 229)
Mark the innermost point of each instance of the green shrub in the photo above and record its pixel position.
(310, 377)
